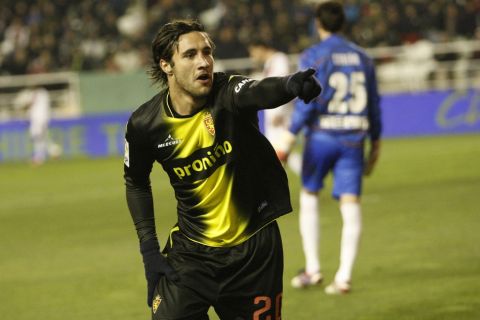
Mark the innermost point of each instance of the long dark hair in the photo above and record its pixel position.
(166, 41)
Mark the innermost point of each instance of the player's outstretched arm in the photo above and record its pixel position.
(272, 92)
(304, 85)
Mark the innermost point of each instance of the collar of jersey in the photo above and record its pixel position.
(170, 111)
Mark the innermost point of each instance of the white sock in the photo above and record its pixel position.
(351, 231)
(309, 217)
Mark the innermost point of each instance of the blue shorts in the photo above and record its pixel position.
(342, 154)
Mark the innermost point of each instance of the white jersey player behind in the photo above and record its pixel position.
(277, 120)
(38, 102)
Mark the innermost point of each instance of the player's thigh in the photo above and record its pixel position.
(190, 297)
(348, 172)
(254, 290)
(175, 301)
(320, 154)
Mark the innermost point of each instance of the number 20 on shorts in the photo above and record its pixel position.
(266, 306)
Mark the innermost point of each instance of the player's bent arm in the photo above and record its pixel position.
(137, 168)
(138, 164)
(140, 205)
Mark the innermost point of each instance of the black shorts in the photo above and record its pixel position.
(240, 282)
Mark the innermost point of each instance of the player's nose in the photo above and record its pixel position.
(204, 61)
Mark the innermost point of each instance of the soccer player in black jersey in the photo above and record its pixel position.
(226, 250)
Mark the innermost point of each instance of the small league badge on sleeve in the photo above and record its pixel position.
(126, 158)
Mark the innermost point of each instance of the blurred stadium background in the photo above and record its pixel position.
(67, 246)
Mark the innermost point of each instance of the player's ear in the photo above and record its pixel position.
(166, 67)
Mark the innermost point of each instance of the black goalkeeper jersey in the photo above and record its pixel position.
(225, 174)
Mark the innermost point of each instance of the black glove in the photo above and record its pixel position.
(304, 85)
(155, 265)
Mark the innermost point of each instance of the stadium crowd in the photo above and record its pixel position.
(39, 36)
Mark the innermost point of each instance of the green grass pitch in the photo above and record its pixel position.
(68, 249)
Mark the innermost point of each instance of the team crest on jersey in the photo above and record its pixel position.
(208, 120)
(156, 303)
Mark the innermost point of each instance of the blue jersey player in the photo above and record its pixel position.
(336, 124)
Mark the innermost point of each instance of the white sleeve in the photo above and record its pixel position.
(277, 66)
